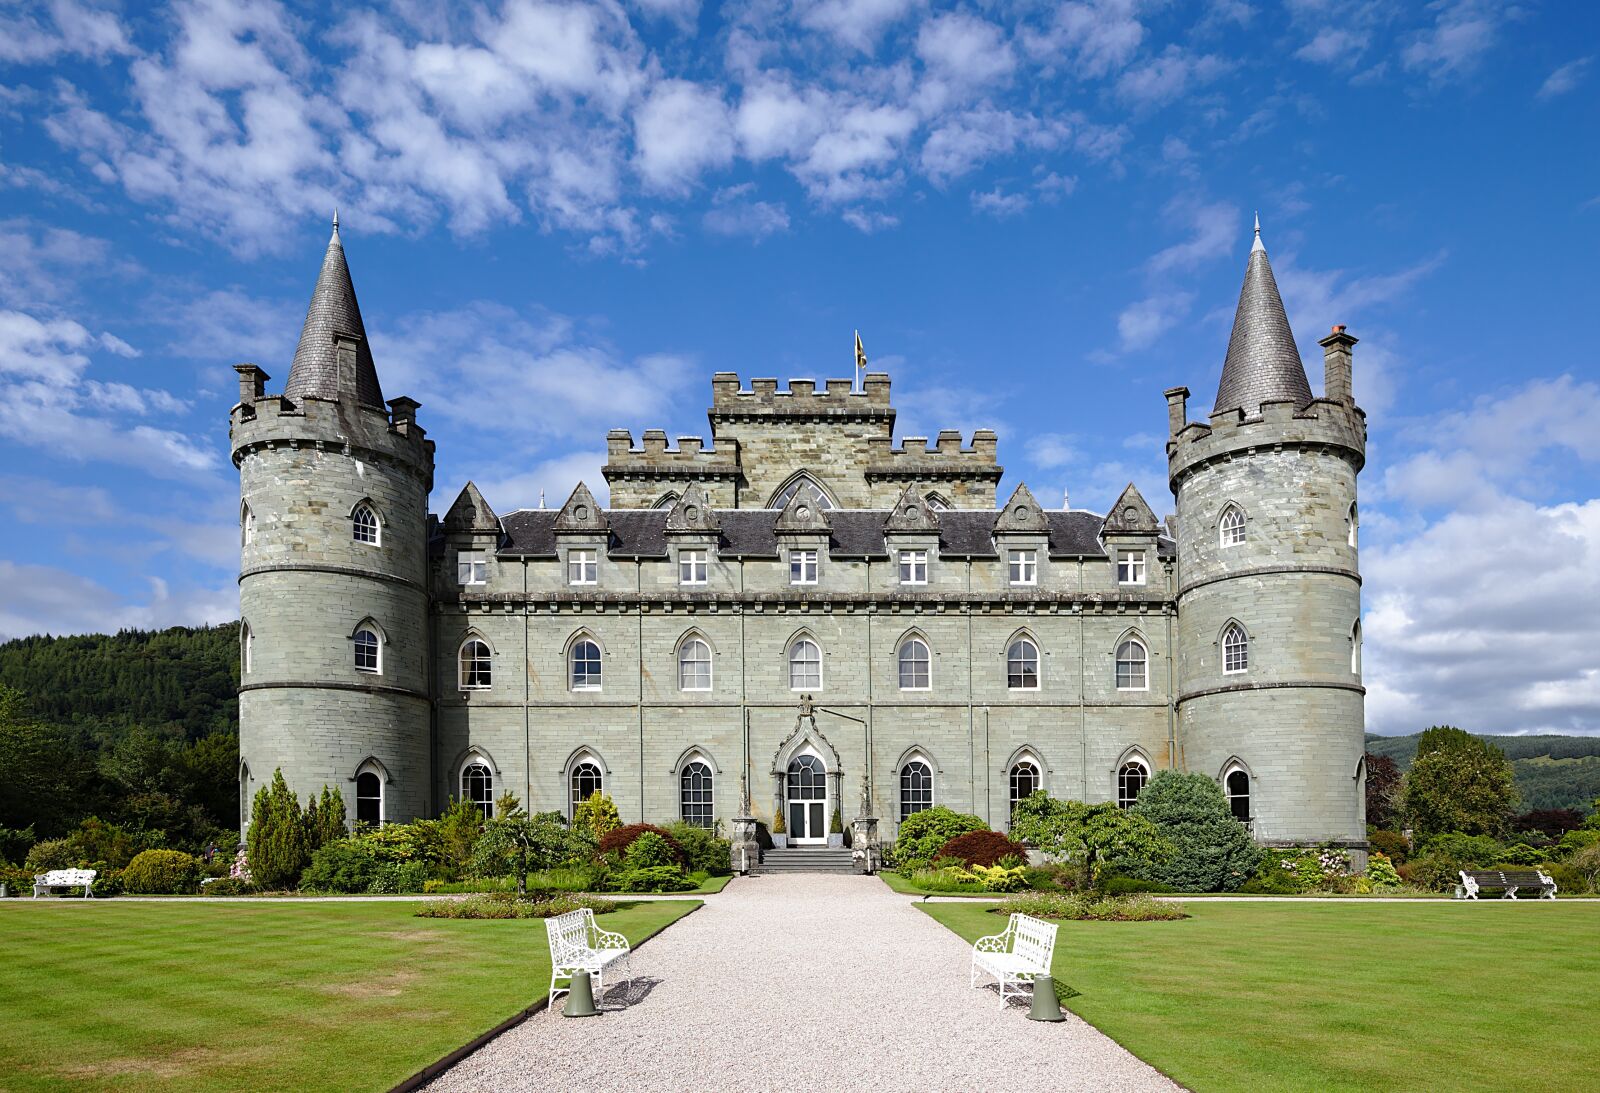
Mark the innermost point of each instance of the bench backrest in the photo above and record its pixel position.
(569, 933)
(1033, 939)
(1509, 878)
(63, 878)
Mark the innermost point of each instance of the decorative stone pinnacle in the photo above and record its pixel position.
(1257, 245)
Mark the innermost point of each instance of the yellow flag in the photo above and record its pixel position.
(861, 354)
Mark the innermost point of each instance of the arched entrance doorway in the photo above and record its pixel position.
(806, 799)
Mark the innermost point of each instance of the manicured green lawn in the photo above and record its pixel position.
(904, 886)
(251, 996)
(1374, 995)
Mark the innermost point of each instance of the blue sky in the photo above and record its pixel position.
(1037, 214)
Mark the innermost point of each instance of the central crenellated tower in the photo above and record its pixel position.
(1270, 701)
(333, 593)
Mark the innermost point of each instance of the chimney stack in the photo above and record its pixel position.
(1336, 365)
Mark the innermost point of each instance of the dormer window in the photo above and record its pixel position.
(802, 567)
(582, 566)
(1024, 567)
(472, 567)
(1130, 567)
(913, 567)
(692, 567)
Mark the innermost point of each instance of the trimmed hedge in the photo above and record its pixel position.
(983, 848)
(619, 839)
(162, 873)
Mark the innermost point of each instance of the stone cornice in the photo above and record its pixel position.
(810, 601)
(335, 685)
(1272, 685)
(1264, 570)
(339, 570)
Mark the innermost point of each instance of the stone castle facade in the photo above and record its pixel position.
(946, 651)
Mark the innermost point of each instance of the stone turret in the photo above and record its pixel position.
(334, 492)
(1269, 586)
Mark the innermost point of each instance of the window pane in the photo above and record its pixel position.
(366, 651)
(477, 786)
(586, 667)
(1022, 666)
(916, 788)
(805, 666)
(1130, 781)
(1235, 650)
(364, 525)
(915, 665)
(1024, 781)
(586, 782)
(369, 799)
(694, 666)
(696, 794)
(1131, 667)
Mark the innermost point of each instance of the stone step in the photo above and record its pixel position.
(807, 860)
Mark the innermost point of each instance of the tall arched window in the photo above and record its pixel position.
(1131, 779)
(1237, 787)
(782, 498)
(916, 788)
(805, 666)
(694, 665)
(1235, 649)
(368, 650)
(1132, 666)
(244, 795)
(694, 784)
(1022, 665)
(369, 798)
(475, 665)
(916, 665)
(247, 648)
(364, 524)
(1355, 648)
(1024, 780)
(247, 525)
(1352, 521)
(585, 782)
(477, 787)
(586, 669)
(1231, 527)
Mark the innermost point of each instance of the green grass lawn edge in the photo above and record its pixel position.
(905, 887)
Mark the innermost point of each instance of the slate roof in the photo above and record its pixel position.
(315, 371)
(1262, 361)
(855, 533)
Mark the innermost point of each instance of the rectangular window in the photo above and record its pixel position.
(802, 567)
(1024, 567)
(913, 567)
(472, 568)
(1130, 567)
(581, 567)
(691, 567)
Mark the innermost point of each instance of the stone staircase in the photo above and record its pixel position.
(807, 859)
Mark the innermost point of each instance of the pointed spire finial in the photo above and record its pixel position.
(1257, 245)
(541, 499)
(1066, 499)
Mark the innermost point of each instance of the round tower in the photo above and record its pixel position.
(1270, 701)
(333, 596)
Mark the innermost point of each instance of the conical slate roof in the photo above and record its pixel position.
(1263, 362)
(315, 372)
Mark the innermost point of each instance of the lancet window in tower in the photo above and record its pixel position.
(1235, 649)
(364, 525)
(1231, 526)
(368, 650)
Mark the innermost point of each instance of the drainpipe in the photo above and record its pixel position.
(527, 698)
(972, 774)
(638, 580)
(871, 669)
(988, 790)
(1083, 730)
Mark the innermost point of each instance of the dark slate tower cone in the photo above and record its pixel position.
(1262, 364)
(333, 310)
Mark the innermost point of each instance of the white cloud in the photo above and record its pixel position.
(998, 203)
(1141, 324)
(965, 50)
(38, 599)
(1051, 450)
(1094, 38)
(868, 221)
(1339, 47)
(71, 29)
(1173, 73)
(1214, 232)
(1565, 79)
(855, 23)
(1463, 31)
(683, 129)
(733, 213)
(554, 477)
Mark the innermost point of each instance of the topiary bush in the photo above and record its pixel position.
(923, 834)
(348, 865)
(1212, 851)
(658, 878)
(619, 840)
(982, 848)
(653, 850)
(1381, 873)
(162, 873)
(703, 851)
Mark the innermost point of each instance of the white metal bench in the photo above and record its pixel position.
(64, 878)
(1508, 881)
(1016, 956)
(576, 943)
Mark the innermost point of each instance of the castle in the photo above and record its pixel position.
(946, 651)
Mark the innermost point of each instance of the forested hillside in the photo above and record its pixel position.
(1551, 771)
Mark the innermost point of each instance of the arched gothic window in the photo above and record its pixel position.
(587, 671)
(585, 782)
(1355, 648)
(1131, 779)
(916, 788)
(1022, 665)
(476, 665)
(1235, 649)
(368, 650)
(1132, 666)
(247, 648)
(364, 524)
(1237, 787)
(477, 786)
(785, 495)
(916, 665)
(694, 784)
(694, 665)
(805, 666)
(369, 798)
(1231, 527)
(1025, 780)
(1353, 521)
(247, 525)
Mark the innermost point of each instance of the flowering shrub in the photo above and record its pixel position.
(241, 866)
(1092, 907)
(507, 905)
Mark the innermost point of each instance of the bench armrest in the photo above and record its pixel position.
(994, 943)
(605, 939)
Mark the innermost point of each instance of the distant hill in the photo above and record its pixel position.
(184, 680)
(1552, 771)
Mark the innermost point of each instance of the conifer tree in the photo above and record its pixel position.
(324, 819)
(277, 844)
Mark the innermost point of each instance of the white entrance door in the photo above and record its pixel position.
(807, 799)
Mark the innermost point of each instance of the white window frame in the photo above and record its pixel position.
(1355, 648)
(918, 760)
(927, 659)
(358, 525)
(802, 561)
(461, 663)
(913, 567)
(1248, 794)
(683, 648)
(710, 803)
(583, 759)
(378, 643)
(1138, 762)
(1131, 568)
(364, 770)
(485, 808)
(1143, 662)
(1231, 526)
(1352, 519)
(1243, 644)
(572, 661)
(583, 567)
(472, 567)
(1023, 567)
(1011, 781)
(1038, 663)
(794, 647)
(694, 566)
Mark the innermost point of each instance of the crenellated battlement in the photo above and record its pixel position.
(1323, 423)
(947, 458)
(837, 398)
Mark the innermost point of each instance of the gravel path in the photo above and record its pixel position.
(795, 982)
